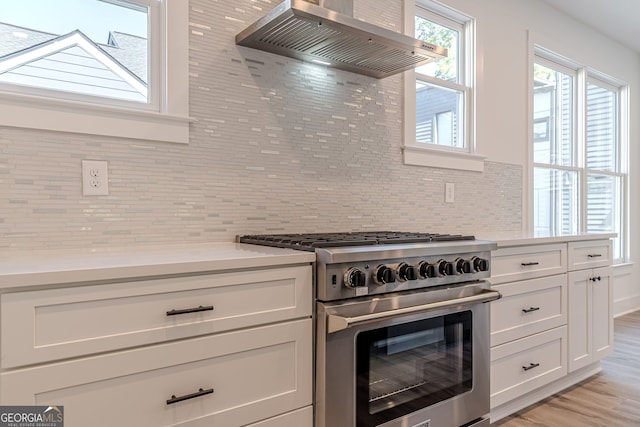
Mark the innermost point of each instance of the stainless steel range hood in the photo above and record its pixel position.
(324, 32)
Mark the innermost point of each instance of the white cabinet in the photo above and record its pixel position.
(228, 349)
(53, 324)
(301, 417)
(528, 324)
(527, 262)
(590, 254)
(528, 307)
(526, 364)
(232, 379)
(553, 322)
(590, 305)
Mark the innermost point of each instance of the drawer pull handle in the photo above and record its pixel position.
(529, 264)
(190, 310)
(198, 393)
(595, 279)
(530, 309)
(531, 366)
(594, 255)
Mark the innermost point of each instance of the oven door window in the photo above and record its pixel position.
(407, 367)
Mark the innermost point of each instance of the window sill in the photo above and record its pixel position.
(32, 112)
(436, 158)
(621, 267)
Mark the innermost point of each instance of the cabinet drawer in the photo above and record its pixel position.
(590, 254)
(521, 366)
(40, 326)
(245, 376)
(300, 418)
(528, 307)
(528, 262)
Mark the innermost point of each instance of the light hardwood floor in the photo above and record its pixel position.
(611, 398)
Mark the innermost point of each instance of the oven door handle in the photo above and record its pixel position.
(337, 323)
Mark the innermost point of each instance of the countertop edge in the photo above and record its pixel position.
(521, 240)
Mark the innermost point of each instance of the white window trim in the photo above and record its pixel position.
(430, 155)
(442, 158)
(169, 124)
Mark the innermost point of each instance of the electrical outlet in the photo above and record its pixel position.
(95, 178)
(449, 192)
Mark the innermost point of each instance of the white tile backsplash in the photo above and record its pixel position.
(276, 146)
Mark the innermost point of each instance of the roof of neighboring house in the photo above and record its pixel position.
(14, 38)
(130, 50)
(72, 62)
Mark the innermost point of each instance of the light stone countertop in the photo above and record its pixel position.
(42, 268)
(505, 240)
(27, 269)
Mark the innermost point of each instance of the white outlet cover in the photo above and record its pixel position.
(449, 192)
(95, 178)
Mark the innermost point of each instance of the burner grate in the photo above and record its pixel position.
(311, 241)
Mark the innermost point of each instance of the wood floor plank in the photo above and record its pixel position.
(610, 398)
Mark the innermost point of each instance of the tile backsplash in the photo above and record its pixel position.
(276, 146)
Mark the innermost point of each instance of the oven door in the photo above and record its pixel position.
(410, 359)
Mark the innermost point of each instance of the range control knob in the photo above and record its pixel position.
(446, 268)
(479, 264)
(407, 272)
(383, 275)
(354, 277)
(467, 267)
(463, 266)
(427, 270)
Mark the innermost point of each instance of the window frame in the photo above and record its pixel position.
(582, 76)
(164, 118)
(620, 166)
(435, 155)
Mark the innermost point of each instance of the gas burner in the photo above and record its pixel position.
(311, 241)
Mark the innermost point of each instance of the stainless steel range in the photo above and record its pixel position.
(402, 327)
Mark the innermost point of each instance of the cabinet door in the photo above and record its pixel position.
(590, 316)
(602, 309)
(579, 319)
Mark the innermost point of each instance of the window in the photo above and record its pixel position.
(93, 48)
(438, 95)
(95, 66)
(579, 170)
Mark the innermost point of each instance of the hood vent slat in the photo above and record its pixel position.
(304, 31)
(298, 35)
